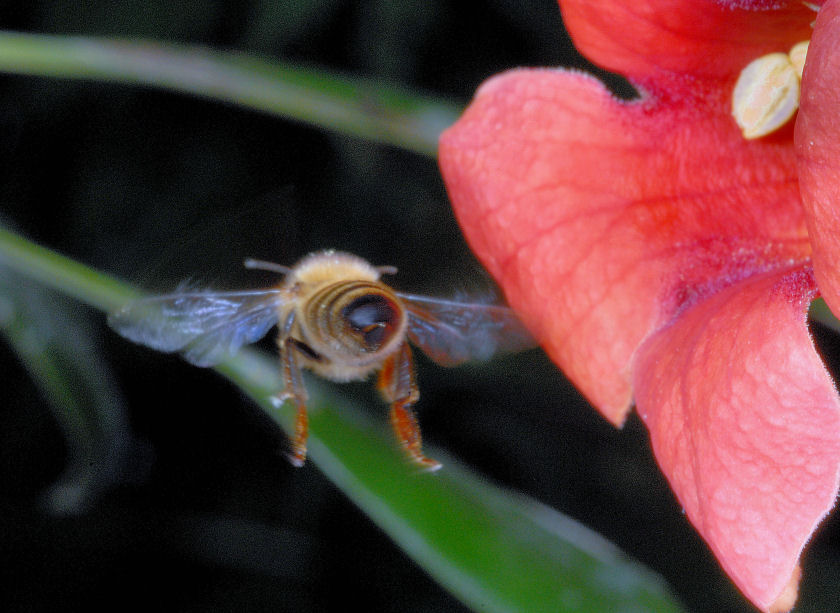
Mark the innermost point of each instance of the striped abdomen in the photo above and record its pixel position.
(356, 320)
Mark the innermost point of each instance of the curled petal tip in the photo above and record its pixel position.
(787, 598)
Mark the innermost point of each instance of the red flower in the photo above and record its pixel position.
(662, 258)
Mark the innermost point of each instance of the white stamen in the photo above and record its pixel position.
(797, 56)
(766, 95)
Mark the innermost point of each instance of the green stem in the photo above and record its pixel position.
(363, 108)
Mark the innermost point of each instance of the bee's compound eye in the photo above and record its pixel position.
(373, 317)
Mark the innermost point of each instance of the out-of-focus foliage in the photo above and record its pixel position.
(56, 342)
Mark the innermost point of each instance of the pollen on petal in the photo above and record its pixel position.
(766, 95)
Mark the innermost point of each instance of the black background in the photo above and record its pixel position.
(155, 187)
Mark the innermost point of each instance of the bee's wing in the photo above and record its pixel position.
(452, 332)
(205, 326)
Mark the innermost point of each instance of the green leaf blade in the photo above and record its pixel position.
(495, 550)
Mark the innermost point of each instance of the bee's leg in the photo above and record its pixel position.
(398, 387)
(293, 390)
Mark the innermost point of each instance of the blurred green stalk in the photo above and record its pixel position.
(352, 106)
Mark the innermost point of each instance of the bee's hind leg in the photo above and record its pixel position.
(397, 385)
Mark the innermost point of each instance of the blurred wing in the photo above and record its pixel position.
(205, 326)
(452, 332)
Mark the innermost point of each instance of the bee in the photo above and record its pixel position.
(336, 318)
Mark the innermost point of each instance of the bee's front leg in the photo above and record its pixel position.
(398, 386)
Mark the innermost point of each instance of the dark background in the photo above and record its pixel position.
(154, 187)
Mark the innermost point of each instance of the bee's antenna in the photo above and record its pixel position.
(253, 264)
(387, 270)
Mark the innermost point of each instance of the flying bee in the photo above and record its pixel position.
(335, 317)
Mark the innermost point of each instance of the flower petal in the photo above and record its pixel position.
(601, 218)
(745, 423)
(708, 39)
(818, 149)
